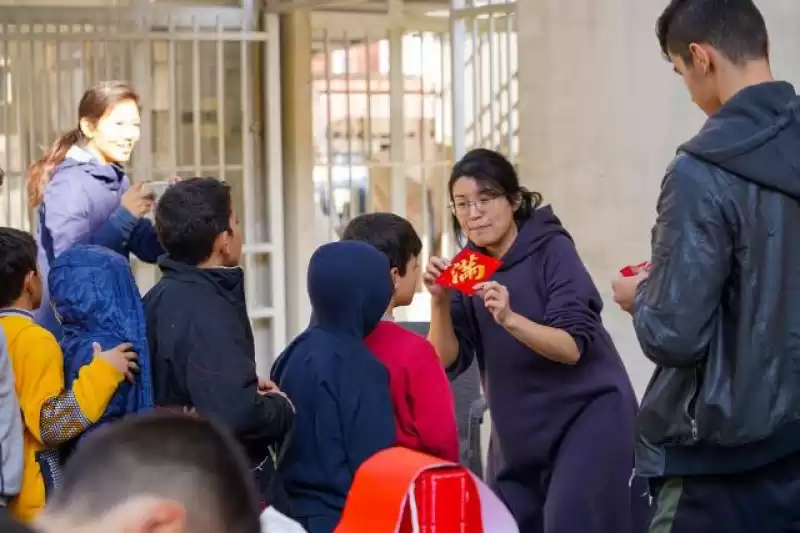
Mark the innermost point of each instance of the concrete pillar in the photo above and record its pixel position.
(601, 116)
(298, 164)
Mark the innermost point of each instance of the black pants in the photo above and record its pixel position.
(766, 500)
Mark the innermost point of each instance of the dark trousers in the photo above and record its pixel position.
(766, 500)
(589, 487)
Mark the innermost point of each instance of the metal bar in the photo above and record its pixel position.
(247, 158)
(155, 16)
(30, 96)
(397, 127)
(477, 83)
(354, 196)
(44, 91)
(5, 52)
(172, 112)
(427, 237)
(493, 95)
(196, 101)
(273, 120)
(19, 98)
(236, 37)
(220, 49)
(326, 48)
(60, 94)
(366, 130)
(458, 37)
(510, 75)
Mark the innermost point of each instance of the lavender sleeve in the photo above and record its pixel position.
(573, 302)
(66, 215)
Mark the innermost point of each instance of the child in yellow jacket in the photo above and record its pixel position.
(51, 415)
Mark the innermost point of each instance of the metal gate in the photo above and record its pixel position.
(485, 82)
(209, 83)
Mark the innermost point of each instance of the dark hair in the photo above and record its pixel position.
(17, 260)
(168, 455)
(94, 105)
(2, 176)
(191, 215)
(497, 175)
(391, 234)
(734, 27)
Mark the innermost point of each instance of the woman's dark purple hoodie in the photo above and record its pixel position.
(533, 399)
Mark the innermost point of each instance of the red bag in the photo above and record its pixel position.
(468, 269)
(443, 500)
(404, 491)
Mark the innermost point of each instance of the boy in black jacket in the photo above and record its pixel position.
(199, 334)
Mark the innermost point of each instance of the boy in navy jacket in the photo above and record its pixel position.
(344, 409)
(200, 339)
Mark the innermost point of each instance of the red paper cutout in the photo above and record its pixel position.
(631, 270)
(468, 269)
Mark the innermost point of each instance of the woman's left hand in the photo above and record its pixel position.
(495, 298)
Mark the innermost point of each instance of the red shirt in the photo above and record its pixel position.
(421, 395)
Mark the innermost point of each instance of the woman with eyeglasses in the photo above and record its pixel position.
(561, 402)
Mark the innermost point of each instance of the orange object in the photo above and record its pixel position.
(468, 269)
(403, 491)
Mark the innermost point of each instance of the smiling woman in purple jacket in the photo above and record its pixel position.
(562, 405)
(81, 192)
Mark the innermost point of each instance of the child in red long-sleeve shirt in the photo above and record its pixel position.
(421, 395)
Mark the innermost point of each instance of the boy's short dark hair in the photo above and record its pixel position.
(17, 260)
(734, 27)
(391, 234)
(163, 454)
(190, 216)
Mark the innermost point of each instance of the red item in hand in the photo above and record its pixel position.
(631, 270)
(468, 269)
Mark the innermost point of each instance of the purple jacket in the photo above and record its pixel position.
(82, 206)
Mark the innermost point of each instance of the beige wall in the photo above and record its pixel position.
(601, 117)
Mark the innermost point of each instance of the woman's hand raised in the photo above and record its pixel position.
(138, 200)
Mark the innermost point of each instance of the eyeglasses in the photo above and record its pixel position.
(482, 204)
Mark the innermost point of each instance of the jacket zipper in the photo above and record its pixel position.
(690, 408)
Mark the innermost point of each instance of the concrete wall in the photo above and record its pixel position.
(601, 116)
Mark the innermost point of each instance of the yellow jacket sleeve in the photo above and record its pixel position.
(52, 414)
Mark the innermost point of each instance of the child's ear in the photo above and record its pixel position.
(395, 273)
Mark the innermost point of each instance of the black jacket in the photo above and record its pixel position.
(203, 356)
(720, 312)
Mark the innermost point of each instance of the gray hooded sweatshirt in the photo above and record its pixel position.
(10, 429)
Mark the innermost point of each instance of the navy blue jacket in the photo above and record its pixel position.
(204, 357)
(95, 297)
(340, 390)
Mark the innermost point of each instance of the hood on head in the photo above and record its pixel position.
(92, 289)
(755, 136)
(542, 225)
(349, 286)
(79, 159)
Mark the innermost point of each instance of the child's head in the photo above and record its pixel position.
(197, 224)
(20, 284)
(396, 238)
(155, 473)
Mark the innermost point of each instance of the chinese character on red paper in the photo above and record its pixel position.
(468, 269)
